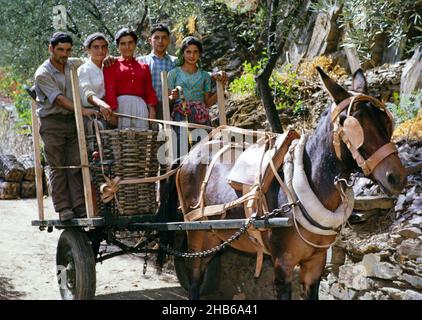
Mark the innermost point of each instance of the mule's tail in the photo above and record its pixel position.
(167, 212)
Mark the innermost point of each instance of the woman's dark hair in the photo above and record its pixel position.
(123, 33)
(191, 40)
(60, 37)
(160, 27)
(186, 42)
(92, 37)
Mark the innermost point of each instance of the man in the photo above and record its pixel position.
(55, 110)
(159, 60)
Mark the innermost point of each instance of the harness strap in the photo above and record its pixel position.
(255, 236)
(311, 220)
(380, 155)
(370, 164)
(219, 209)
(339, 108)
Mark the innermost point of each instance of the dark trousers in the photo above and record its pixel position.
(61, 148)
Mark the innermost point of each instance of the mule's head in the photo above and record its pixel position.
(362, 130)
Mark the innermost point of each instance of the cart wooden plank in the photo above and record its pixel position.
(166, 116)
(221, 104)
(145, 222)
(37, 161)
(89, 203)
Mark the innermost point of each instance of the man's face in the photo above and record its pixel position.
(98, 50)
(61, 52)
(160, 41)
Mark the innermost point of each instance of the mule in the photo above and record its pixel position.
(353, 135)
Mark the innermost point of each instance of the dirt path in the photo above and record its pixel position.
(27, 263)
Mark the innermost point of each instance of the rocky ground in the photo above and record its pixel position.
(380, 258)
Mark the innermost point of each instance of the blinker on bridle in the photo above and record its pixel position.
(351, 133)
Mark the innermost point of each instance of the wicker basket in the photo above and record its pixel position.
(9, 190)
(10, 169)
(27, 162)
(129, 154)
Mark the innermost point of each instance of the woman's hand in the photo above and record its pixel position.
(104, 107)
(106, 111)
(220, 76)
(152, 114)
(174, 95)
(109, 61)
(89, 112)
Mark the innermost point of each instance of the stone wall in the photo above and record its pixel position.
(381, 258)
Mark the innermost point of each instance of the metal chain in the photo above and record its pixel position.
(206, 253)
(284, 209)
(144, 271)
(209, 252)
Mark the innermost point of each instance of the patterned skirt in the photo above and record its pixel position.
(194, 112)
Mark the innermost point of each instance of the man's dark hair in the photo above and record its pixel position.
(60, 37)
(160, 27)
(123, 33)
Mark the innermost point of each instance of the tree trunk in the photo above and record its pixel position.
(262, 82)
(274, 52)
(262, 79)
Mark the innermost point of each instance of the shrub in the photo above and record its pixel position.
(12, 86)
(405, 107)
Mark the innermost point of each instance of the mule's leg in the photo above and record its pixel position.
(199, 241)
(195, 244)
(310, 275)
(283, 272)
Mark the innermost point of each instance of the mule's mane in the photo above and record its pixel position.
(319, 147)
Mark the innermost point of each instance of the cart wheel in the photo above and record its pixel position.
(75, 266)
(210, 279)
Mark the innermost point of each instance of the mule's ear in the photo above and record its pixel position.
(337, 92)
(359, 82)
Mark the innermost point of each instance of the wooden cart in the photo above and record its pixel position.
(78, 249)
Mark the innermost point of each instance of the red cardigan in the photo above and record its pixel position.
(128, 77)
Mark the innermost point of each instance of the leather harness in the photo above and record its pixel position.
(351, 133)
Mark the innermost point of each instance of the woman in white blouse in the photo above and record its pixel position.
(91, 78)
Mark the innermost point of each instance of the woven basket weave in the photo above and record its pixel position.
(129, 154)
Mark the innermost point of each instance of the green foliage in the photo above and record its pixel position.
(365, 21)
(26, 25)
(12, 86)
(283, 83)
(246, 84)
(405, 107)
